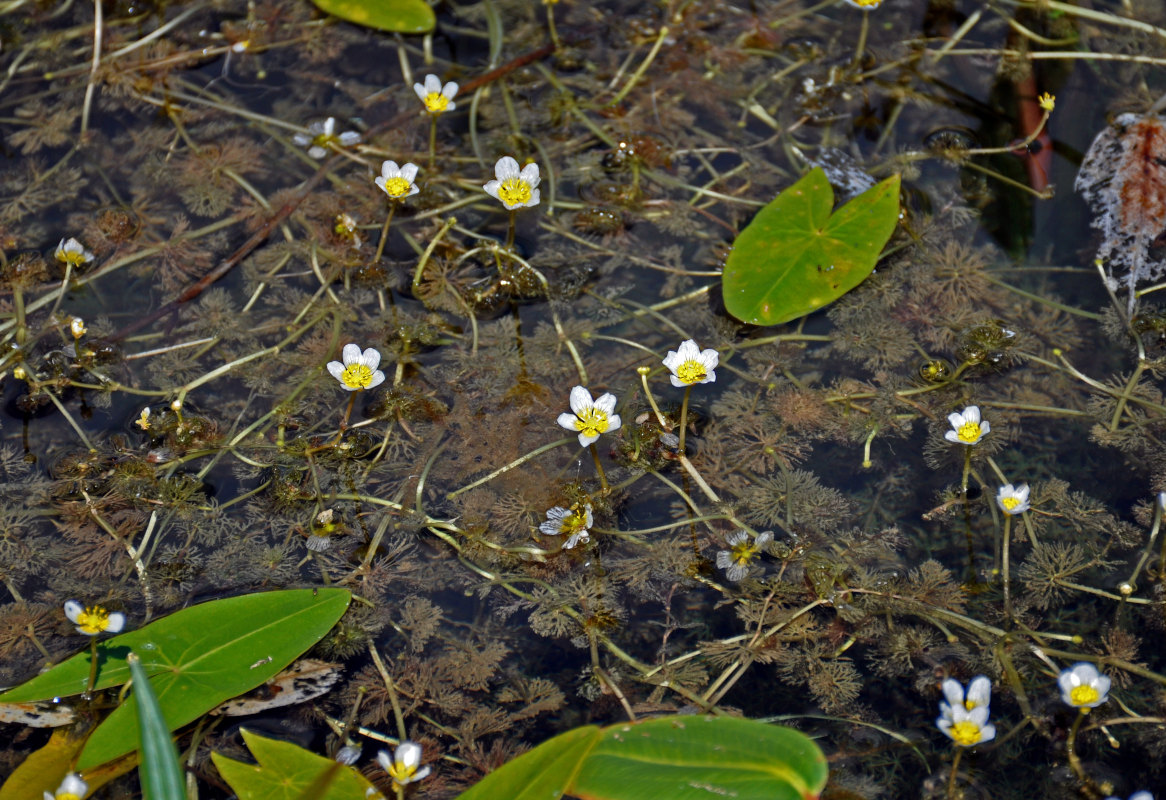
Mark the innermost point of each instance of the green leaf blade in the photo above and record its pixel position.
(680, 758)
(162, 778)
(796, 257)
(394, 16)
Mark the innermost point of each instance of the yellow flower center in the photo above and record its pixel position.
(356, 376)
(968, 432)
(591, 422)
(66, 796)
(573, 523)
(742, 553)
(401, 773)
(1083, 695)
(966, 733)
(515, 192)
(324, 140)
(73, 258)
(93, 620)
(435, 102)
(396, 187)
(691, 372)
(869, 3)
(1009, 503)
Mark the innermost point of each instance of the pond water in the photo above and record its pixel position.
(172, 433)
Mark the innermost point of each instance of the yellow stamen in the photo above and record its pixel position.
(396, 187)
(435, 102)
(514, 192)
(691, 372)
(356, 376)
(1083, 695)
(591, 421)
(966, 733)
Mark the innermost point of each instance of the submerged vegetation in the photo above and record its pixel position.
(290, 304)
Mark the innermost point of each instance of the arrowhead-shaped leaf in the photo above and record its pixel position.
(795, 256)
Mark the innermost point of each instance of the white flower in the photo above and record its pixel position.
(437, 98)
(514, 188)
(1142, 795)
(742, 550)
(967, 427)
(321, 137)
(94, 619)
(865, 5)
(689, 365)
(397, 182)
(402, 766)
(77, 327)
(569, 521)
(1162, 500)
(143, 420)
(72, 788)
(359, 371)
(1082, 686)
(70, 251)
(590, 418)
(964, 717)
(1013, 500)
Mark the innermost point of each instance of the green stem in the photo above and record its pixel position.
(684, 418)
(432, 141)
(385, 232)
(1007, 570)
(510, 233)
(955, 768)
(92, 666)
(599, 467)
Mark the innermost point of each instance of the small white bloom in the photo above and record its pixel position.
(403, 765)
(690, 365)
(1013, 500)
(348, 755)
(93, 620)
(1162, 500)
(512, 187)
(741, 553)
(359, 371)
(437, 98)
(865, 5)
(397, 182)
(1082, 686)
(321, 137)
(1142, 795)
(72, 788)
(967, 427)
(77, 327)
(143, 420)
(963, 717)
(569, 521)
(590, 418)
(70, 251)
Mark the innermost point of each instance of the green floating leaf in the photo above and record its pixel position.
(681, 758)
(795, 256)
(288, 772)
(162, 778)
(395, 16)
(195, 658)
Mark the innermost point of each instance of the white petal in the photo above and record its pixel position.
(317, 128)
(985, 428)
(1022, 493)
(302, 139)
(450, 106)
(317, 152)
(349, 138)
(987, 733)
(378, 378)
(371, 358)
(737, 537)
(956, 420)
(424, 772)
(588, 517)
(74, 610)
(972, 414)
(529, 174)
(606, 403)
(1102, 685)
(679, 384)
(581, 400)
(506, 168)
(672, 360)
(568, 421)
(952, 436)
(710, 358)
(980, 691)
(421, 94)
(491, 188)
(383, 757)
(409, 172)
(764, 538)
(432, 84)
(688, 351)
(614, 423)
(409, 754)
(534, 199)
(449, 91)
(711, 377)
(350, 354)
(953, 691)
(389, 169)
(724, 559)
(116, 622)
(329, 126)
(584, 440)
